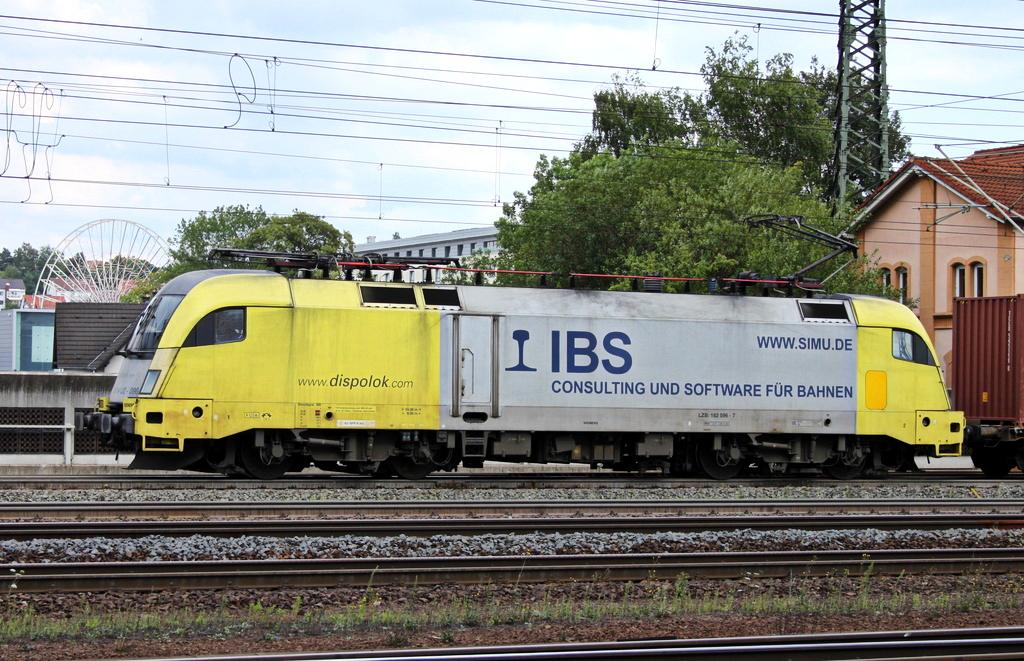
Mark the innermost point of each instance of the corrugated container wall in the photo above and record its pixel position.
(988, 350)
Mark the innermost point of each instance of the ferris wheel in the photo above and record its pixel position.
(100, 262)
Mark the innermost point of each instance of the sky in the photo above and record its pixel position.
(406, 116)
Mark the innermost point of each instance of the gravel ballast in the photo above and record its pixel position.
(156, 548)
(857, 490)
(287, 630)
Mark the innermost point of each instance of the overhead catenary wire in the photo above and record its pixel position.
(612, 67)
(824, 23)
(682, 215)
(591, 210)
(695, 156)
(305, 113)
(694, 74)
(909, 134)
(488, 130)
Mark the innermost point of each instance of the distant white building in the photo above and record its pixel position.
(11, 290)
(459, 244)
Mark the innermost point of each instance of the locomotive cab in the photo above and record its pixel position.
(903, 397)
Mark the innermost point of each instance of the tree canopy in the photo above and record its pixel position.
(239, 226)
(659, 184)
(673, 212)
(778, 115)
(25, 263)
(224, 227)
(783, 116)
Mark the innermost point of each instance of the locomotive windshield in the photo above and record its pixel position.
(154, 320)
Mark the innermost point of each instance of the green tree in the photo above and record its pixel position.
(660, 183)
(778, 115)
(580, 216)
(241, 227)
(25, 263)
(628, 117)
(224, 227)
(781, 116)
(672, 210)
(299, 232)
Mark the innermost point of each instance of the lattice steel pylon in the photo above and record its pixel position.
(862, 109)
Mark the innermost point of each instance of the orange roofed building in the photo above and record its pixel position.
(943, 228)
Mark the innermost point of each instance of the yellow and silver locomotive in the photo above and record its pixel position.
(255, 373)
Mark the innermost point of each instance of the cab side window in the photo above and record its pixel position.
(218, 327)
(911, 347)
(228, 325)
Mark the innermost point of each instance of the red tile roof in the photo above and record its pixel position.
(991, 173)
(41, 302)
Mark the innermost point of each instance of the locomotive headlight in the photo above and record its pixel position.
(150, 382)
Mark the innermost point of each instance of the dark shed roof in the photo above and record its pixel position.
(86, 335)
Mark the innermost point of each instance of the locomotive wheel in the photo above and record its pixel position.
(716, 464)
(408, 469)
(994, 464)
(842, 470)
(255, 466)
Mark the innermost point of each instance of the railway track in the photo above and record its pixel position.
(23, 521)
(505, 508)
(420, 518)
(936, 645)
(428, 527)
(530, 480)
(361, 572)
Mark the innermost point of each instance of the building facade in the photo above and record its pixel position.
(12, 290)
(460, 244)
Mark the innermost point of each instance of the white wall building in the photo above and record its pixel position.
(459, 244)
(11, 290)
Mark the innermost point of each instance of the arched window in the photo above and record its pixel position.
(903, 283)
(977, 279)
(959, 281)
(967, 280)
(886, 277)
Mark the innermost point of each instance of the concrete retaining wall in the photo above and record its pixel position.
(37, 422)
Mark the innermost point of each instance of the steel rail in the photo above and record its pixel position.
(357, 572)
(937, 645)
(525, 480)
(23, 521)
(429, 527)
(132, 510)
